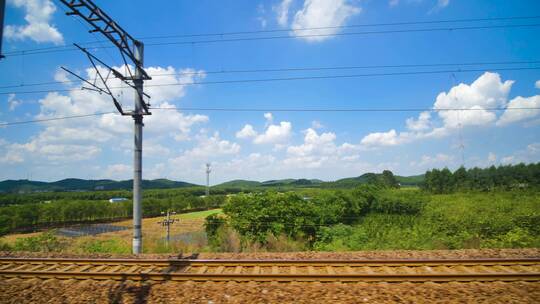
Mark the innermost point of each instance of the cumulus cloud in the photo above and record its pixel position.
(420, 124)
(316, 14)
(477, 101)
(38, 28)
(492, 157)
(438, 160)
(488, 91)
(275, 134)
(510, 116)
(390, 138)
(318, 150)
(441, 4)
(322, 13)
(85, 138)
(282, 11)
(246, 132)
(12, 102)
(118, 172)
(530, 154)
(537, 84)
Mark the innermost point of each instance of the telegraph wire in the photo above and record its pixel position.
(339, 109)
(192, 42)
(295, 69)
(5, 124)
(306, 110)
(262, 80)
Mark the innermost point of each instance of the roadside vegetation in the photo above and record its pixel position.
(497, 207)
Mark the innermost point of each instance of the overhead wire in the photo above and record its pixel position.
(6, 124)
(294, 69)
(261, 80)
(456, 28)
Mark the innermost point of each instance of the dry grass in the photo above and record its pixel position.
(153, 236)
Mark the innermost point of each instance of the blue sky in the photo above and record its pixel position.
(270, 145)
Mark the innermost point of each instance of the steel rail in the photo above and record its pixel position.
(284, 262)
(282, 277)
(417, 270)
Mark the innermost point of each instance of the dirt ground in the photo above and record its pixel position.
(89, 291)
(72, 291)
(347, 255)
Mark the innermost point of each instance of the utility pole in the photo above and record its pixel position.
(2, 9)
(132, 49)
(208, 170)
(167, 222)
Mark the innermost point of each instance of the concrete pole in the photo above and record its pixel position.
(207, 179)
(168, 226)
(2, 8)
(137, 154)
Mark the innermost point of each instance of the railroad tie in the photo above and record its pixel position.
(202, 269)
(6, 266)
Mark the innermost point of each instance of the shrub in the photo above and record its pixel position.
(45, 242)
(104, 246)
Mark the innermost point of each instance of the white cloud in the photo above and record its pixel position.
(282, 11)
(438, 160)
(528, 155)
(510, 116)
(488, 91)
(420, 124)
(12, 102)
(118, 172)
(322, 13)
(393, 3)
(390, 138)
(275, 134)
(492, 157)
(537, 84)
(320, 150)
(316, 125)
(441, 4)
(85, 138)
(269, 118)
(61, 76)
(246, 132)
(38, 27)
(476, 100)
(11, 157)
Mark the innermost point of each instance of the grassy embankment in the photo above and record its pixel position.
(447, 221)
(120, 241)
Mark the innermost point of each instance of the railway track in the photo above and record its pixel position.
(446, 270)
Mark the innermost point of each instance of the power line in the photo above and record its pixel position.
(192, 42)
(345, 34)
(6, 124)
(291, 79)
(340, 27)
(341, 109)
(294, 69)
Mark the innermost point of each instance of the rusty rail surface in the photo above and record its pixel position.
(403, 270)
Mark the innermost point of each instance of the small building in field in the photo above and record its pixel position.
(117, 199)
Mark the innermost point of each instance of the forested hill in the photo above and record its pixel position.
(350, 182)
(75, 184)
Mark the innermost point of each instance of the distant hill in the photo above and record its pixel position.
(239, 183)
(364, 178)
(75, 184)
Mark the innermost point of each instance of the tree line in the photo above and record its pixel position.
(41, 214)
(502, 177)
